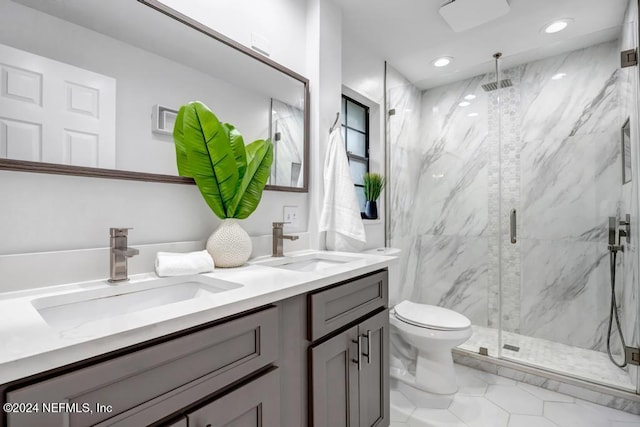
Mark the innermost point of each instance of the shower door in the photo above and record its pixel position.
(558, 129)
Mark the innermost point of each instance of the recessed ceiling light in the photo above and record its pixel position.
(470, 97)
(558, 76)
(557, 26)
(472, 114)
(464, 104)
(442, 61)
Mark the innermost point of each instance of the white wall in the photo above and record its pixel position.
(281, 22)
(41, 212)
(363, 80)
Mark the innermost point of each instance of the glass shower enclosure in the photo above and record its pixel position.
(502, 189)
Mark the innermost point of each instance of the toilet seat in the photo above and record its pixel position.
(430, 317)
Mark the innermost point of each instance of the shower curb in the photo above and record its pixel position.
(595, 393)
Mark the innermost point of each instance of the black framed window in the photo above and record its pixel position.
(355, 131)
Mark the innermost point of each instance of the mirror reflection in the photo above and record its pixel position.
(287, 131)
(83, 84)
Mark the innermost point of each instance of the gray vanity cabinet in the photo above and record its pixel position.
(150, 384)
(182, 422)
(256, 404)
(349, 371)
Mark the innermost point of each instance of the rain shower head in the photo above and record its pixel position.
(490, 87)
(498, 84)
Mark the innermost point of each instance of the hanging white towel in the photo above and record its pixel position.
(340, 216)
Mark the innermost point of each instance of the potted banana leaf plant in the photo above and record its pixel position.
(230, 176)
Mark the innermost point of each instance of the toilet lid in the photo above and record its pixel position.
(430, 316)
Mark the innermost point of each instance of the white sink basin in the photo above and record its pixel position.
(316, 261)
(74, 309)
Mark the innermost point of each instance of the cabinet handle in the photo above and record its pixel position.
(358, 361)
(368, 353)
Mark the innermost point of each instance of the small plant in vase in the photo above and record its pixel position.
(230, 176)
(373, 185)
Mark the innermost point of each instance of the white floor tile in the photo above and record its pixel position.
(514, 400)
(516, 420)
(478, 412)
(546, 395)
(434, 418)
(470, 384)
(513, 404)
(401, 407)
(574, 415)
(610, 413)
(487, 377)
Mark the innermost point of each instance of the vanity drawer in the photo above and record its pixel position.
(256, 404)
(201, 362)
(332, 308)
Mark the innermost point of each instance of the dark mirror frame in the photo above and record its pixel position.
(52, 168)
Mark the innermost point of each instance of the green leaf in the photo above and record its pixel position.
(210, 157)
(178, 137)
(259, 160)
(237, 145)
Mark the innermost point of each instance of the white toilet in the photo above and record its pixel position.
(433, 331)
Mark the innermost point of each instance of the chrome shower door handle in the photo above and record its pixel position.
(512, 226)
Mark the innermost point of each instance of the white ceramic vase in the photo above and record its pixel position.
(229, 245)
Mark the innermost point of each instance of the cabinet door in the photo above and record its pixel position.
(256, 404)
(374, 374)
(334, 381)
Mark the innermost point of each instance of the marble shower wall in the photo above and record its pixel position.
(570, 184)
(403, 130)
(452, 203)
(559, 166)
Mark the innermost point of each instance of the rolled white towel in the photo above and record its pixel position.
(180, 264)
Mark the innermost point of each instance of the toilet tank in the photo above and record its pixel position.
(394, 272)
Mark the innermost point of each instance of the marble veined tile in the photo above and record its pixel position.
(565, 292)
(582, 102)
(453, 196)
(459, 128)
(405, 99)
(570, 186)
(452, 273)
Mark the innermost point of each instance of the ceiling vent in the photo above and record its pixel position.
(462, 15)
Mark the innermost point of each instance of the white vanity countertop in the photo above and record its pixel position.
(28, 345)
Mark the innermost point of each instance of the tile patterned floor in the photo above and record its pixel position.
(487, 400)
(578, 362)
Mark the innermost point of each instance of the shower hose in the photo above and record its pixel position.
(614, 311)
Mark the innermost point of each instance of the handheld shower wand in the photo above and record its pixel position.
(614, 246)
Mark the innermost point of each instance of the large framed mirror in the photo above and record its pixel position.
(91, 88)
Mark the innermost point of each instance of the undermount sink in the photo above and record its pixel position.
(74, 309)
(317, 261)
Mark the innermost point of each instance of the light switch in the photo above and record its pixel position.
(291, 216)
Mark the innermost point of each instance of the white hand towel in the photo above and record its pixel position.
(340, 216)
(180, 264)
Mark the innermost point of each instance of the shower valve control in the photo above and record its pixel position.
(626, 231)
(617, 230)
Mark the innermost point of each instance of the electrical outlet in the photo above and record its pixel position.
(291, 216)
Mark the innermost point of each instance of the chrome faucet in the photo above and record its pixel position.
(119, 254)
(278, 237)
